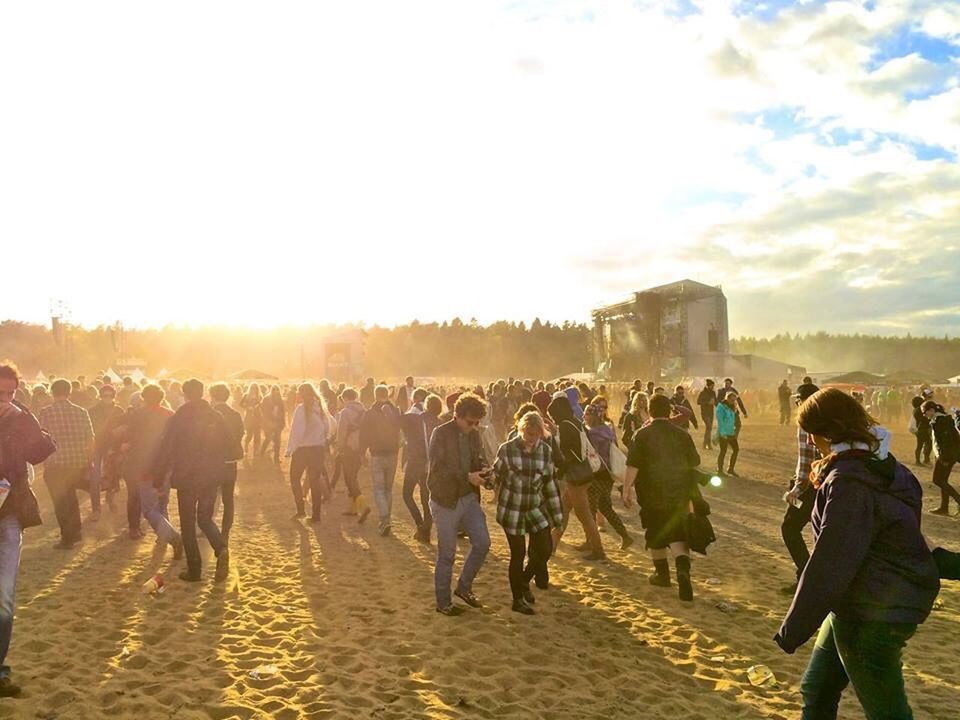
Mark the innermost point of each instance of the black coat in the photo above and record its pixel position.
(665, 458)
(195, 447)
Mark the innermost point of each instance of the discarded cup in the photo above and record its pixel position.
(153, 585)
(725, 607)
(719, 658)
(761, 676)
(712, 581)
(264, 671)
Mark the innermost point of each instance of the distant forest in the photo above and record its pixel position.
(448, 349)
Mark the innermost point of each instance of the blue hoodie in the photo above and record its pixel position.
(869, 560)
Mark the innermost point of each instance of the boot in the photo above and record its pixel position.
(683, 578)
(661, 578)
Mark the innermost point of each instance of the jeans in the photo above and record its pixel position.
(62, 482)
(415, 474)
(541, 547)
(794, 521)
(227, 487)
(467, 514)
(195, 503)
(153, 504)
(10, 539)
(734, 445)
(866, 654)
(383, 468)
(311, 458)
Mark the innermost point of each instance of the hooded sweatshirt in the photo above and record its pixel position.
(869, 560)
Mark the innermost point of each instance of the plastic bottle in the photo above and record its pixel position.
(761, 676)
(154, 584)
(796, 502)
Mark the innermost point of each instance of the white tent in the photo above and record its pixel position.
(954, 380)
(40, 377)
(137, 376)
(114, 378)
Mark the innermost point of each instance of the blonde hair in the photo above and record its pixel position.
(532, 418)
(639, 403)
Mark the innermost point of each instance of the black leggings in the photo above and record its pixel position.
(272, 436)
(413, 475)
(924, 446)
(734, 445)
(310, 458)
(599, 496)
(941, 478)
(541, 547)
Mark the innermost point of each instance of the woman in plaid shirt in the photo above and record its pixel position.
(528, 503)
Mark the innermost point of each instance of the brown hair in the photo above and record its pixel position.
(9, 371)
(470, 405)
(523, 410)
(833, 414)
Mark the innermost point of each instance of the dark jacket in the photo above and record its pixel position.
(683, 402)
(445, 477)
(417, 429)
(665, 457)
(22, 441)
(923, 424)
(869, 560)
(380, 429)
(707, 400)
(196, 444)
(946, 438)
(235, 428)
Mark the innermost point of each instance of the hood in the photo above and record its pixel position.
(573, 396)
(559, 409)
(886, 476)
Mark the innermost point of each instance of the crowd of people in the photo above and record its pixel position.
(544, 449)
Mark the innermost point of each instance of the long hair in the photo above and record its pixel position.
(833, 414)
(312, 402)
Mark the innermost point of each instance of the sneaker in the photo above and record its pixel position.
(384, 530)
(732, 473)
(223, 565)
(135, 535)
(451, 610)
(300, 515)
(314, 520)
(660, 580)
(596, 556)
(583, 547)
(528, 597)
(940, 511)
(519, 606)
(469, 598)
(8, 688)
(364, 514)
(627, 542)
(65, 545)
(187, 577)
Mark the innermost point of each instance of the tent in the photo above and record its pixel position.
(114, 378)
(137, 376)
(253, 375)
(40, 378)
(954, 380)
(911, 377)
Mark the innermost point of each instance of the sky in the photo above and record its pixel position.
(253, 163)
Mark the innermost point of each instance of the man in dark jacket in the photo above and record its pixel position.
(784, 397)
(220, 394)
(707, 400)
(196, 444)
(924, 435)
(380, 434)
(680, 400)
(660, 471)
(22, 441)
(457, 470)
(415, 467)
(946, 441)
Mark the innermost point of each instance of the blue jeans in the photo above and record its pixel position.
(866, 654)
(10, 538)
(467, 514)
(383, 469)
(153, 504)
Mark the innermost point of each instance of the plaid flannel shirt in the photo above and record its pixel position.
(72, 430)
(807, 453)
(528, 499)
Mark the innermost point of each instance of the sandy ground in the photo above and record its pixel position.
(347, 620)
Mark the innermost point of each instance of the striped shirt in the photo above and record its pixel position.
(72, 430)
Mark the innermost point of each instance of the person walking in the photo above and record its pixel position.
(252, 419)
(871, 578)
(195, 445)
(273, 415)
(23, 442)
(142, 434)
(800, 497)
(924, 433)
(707, 402)
(68, 468)
(380, 435)
(946, 444)
(636, 417)
(680, 404)
(660, 477)
(602, 436)
(727, 428)
(220, 395)
(528, 504)
(416, 448)
(348, 451)
(783, 396)
(457, 470)
(311, 430)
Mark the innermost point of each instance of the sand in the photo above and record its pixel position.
(346, 620)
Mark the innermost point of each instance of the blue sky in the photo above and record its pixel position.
(802, 154)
